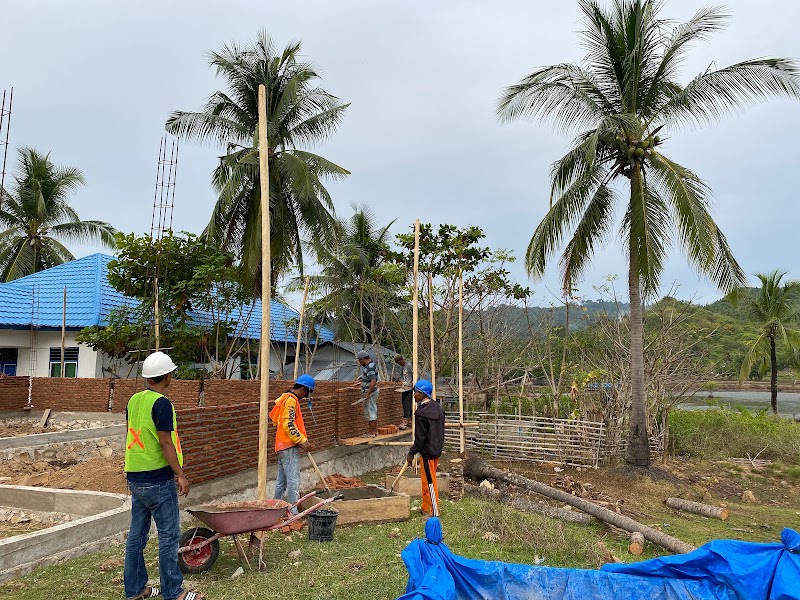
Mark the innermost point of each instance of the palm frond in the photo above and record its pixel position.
(713, 94)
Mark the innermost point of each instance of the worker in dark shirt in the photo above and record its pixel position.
(154, 468)
(428, 443)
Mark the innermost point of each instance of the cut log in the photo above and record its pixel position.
(637, 544)
(477, 468)
(526, 505)
(698, 508)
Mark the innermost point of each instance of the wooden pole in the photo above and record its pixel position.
(63, 329)
(415, 324)
(300, 330)
(461, 438)
(430, 319)
(266, 293)
(156, 319)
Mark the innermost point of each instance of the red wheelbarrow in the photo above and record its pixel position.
(199, 546)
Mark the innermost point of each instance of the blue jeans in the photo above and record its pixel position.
(159, 502)
(288, 481)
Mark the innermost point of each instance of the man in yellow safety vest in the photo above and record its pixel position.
(154, 468)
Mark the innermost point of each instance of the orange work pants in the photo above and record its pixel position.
(430, 489)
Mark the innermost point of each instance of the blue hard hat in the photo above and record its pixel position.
(307, 381)
(424, 386)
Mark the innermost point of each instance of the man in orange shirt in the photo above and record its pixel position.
(289, 436)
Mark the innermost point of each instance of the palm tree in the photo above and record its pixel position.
(299, 114)
(776, 308)
(617, 102)
(359, 284)
(36, 216)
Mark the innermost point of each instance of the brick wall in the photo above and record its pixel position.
(231, 391)
(221, 437)
(13, 393)
(220, 440)
(90, 395)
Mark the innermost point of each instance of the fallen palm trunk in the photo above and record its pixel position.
(528, 506)
(698, 508)
(477, 468)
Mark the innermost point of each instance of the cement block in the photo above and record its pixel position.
(412, 486)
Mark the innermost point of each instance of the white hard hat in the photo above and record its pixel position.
(157, 364)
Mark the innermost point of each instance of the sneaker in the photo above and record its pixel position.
(403, 424)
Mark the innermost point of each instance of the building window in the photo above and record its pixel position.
(8, 361)
(70, 362)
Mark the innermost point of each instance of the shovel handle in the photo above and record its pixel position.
(396, 479)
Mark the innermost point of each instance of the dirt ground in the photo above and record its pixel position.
(99, 474)
(7, 430)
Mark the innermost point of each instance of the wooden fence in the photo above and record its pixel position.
(535, 439)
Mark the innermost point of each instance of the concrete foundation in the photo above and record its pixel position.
(101, 520)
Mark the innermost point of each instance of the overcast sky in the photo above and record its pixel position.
(95, 81)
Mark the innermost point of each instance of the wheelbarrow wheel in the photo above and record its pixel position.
(202, 559)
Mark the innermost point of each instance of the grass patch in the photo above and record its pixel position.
(723, 433)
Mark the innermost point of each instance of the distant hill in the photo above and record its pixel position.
(730, 325)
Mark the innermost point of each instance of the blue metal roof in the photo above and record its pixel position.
(38, 299)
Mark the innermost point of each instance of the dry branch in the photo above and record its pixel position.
(477, 468)
(528, 506)
(698, 508)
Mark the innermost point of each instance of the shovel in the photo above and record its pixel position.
(396, 479)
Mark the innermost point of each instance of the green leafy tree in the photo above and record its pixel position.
(447, 253)
(192, 276)
(299, 115)
(37, 217)
(360, 283)
(618, 102)
(776, 309)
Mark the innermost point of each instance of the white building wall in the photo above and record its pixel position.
(88, 363)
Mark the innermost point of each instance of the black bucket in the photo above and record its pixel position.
(321, 524)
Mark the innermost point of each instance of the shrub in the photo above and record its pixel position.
(723, 433)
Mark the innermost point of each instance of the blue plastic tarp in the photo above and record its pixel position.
(722, 569)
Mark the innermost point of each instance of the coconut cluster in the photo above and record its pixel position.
(638, 149)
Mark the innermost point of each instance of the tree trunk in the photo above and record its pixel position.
(523, 504)
(698, 508)
(477, 468)
(638, 450)
(773, 378)
(636, 546)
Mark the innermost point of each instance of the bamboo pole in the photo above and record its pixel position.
(266, 292)
(63, 329)
(430, 318)
(300, 329)
(415, 325)
(461, 438)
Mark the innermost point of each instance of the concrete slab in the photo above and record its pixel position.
(105, 519)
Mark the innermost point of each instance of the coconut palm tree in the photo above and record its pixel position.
(620, 102)
(359, 285)
(299, 114)
(36, 217)
(776, 308)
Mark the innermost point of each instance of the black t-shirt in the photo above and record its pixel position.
(162, 417)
